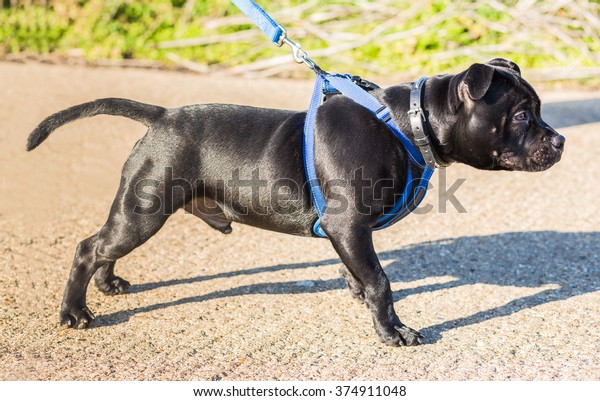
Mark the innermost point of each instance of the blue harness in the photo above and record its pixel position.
(422, 159)
(410, 199)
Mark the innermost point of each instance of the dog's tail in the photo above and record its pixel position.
(144, 113)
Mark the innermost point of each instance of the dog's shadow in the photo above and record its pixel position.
(562, 265)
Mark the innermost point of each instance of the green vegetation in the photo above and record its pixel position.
(357, 36)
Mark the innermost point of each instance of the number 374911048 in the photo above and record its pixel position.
(370, 391)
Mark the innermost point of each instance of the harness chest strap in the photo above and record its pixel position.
(424, 159)
(407, 203)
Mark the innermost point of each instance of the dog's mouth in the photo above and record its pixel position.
(540, 159)
(543, 159)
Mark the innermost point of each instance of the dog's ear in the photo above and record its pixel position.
(477, 81)
(470, 85)
(503, 63)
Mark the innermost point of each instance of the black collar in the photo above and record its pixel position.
(418, 122)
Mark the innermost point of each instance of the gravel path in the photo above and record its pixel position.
(509, 290)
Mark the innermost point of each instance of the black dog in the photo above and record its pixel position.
(487, 117)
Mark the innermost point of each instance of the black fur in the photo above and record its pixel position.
(144, 113)
(227, 163)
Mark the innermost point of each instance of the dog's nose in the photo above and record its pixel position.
(558, 142)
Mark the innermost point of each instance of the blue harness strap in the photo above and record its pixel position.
(410, 198)
(406, 203)
(309, 155)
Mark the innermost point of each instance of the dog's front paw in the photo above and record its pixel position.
(400, 335)
(114, 286)
(77, 318)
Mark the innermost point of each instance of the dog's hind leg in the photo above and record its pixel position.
(121, 234)
(107, 282)
(139, 210)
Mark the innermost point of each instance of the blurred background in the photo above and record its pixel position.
(554, 40)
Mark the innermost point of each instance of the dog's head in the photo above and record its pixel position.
(499, 120)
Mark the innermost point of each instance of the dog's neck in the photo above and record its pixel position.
(439, 122)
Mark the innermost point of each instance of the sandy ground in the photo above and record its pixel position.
(509, 290)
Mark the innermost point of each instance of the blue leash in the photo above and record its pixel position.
(275, 32)
(343, 83)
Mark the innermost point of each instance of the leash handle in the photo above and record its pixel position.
(275, 32)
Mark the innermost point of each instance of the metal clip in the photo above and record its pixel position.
(299, 55)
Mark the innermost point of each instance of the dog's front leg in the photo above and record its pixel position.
(354, 245)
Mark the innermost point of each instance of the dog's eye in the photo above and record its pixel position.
(522, 116)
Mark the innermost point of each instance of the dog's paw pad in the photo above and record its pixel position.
(400, 335)
(408, 336)
(114, 286)
(76, 318)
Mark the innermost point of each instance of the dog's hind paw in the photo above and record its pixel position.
(76, 318)
(114, 286)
